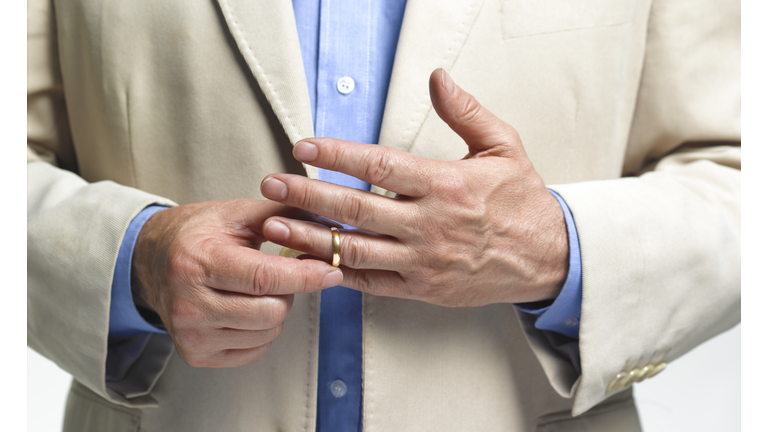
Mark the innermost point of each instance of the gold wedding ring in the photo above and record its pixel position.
(336, 247)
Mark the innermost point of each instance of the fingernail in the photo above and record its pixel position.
(305, 152)
(448, 83)
(273, 188)
(277, 231)
(332, 279)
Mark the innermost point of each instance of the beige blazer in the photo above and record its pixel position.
(629, 109)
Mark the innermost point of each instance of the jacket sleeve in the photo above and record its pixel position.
(661, 245)
(74, 231)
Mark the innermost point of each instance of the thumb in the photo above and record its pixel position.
(481, 130)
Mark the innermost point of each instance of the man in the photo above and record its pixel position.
(203, 102)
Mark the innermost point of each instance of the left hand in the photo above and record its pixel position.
(472, 232)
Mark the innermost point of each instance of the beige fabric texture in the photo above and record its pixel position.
(629, 109)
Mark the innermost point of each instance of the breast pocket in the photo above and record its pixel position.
(523, 18)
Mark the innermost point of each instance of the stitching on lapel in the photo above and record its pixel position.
(463, 32)
(257, 69)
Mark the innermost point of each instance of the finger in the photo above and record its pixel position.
(252, 213)
(394, 284)
(480, 129)
(226, 358)
(359, 249)
(238, 269)
(246, 312)
(354, 207)
(195, 342)
(389, 168)
(376, 282)
(228, 339)
(242, 357)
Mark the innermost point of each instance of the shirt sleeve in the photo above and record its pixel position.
(128, 330)
(125, 320)
(563, 314)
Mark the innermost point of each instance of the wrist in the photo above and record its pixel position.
(146, 311)
(146, 266)
(555, 258)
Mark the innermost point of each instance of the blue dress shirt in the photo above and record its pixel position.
(348, 48)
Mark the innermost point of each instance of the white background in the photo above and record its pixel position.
(698, 392)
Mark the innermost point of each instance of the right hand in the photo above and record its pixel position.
(221, 299)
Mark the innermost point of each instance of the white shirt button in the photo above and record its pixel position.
(338, 389)
(345, 85)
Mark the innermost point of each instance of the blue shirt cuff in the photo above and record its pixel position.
(563, 315)
(124, 319)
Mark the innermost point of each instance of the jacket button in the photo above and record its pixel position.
(615, 383)
(631, 377)
(645, 372)
(658, 368)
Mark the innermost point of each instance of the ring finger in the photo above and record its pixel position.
(359, 249)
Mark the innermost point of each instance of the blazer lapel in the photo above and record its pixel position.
(432, 36)
(265, 33)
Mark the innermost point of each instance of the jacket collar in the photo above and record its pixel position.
(431, 36)
(265, 33)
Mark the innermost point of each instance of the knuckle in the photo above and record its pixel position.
(379, 165)
(181, 267)
(241, 359)
(205, 362)
(471, 110)
(274, 332)
(512, 133)
(427, 290)
(354, 252)
(353, 207)
(301, 195)
(185, 312)
(283, 307)
(365, 283)
(334, 154)
(432, 267)
(264, 282)
(197, 359)
(452, 183)
(213, 260)
(272, 316)
(189, 341)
